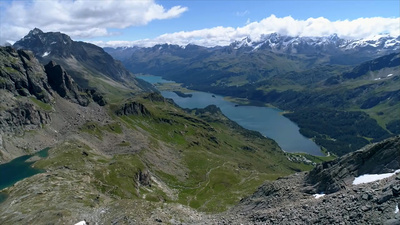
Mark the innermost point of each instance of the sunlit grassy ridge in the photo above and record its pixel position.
(225, 162)
(197, 158)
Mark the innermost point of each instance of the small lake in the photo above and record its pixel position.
(268, 121)
(18, 169)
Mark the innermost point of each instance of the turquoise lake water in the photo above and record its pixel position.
(18, 169)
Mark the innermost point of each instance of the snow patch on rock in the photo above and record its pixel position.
(318, 195)
(46, 54)
(81, 223)
(368, 178)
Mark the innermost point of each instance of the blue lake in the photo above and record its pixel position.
(18, 169)
(268, 121)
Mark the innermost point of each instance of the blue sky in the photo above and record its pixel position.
(206, 14)
(147, 22)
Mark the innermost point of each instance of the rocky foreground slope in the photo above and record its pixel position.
(291, 200)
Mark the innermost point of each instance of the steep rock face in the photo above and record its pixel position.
(382, 157)
(64, 85)
(22, 74)
(82, 61)
(25, 116)
(22, 81)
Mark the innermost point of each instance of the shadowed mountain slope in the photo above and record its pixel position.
(89, 65)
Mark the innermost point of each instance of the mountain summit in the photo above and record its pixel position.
(86, 63)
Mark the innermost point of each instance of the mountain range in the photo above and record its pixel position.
(337, 48)
(317, 45)
(118, 152)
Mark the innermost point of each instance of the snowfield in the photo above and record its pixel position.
(368, 178)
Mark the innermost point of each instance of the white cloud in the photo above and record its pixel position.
(348, 29)
(80, 18)
(87, 19)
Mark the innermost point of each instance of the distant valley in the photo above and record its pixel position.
(344, 94)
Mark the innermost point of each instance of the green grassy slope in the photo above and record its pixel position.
(223, 162)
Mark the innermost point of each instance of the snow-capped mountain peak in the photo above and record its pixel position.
(310, 45)
(245, 42)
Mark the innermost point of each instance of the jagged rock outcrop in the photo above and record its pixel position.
(22, 74)
(27, 90)
(97, 97)
(64, 85)
(382, 157)
(144, 177)
(25, 116)
(132, 108)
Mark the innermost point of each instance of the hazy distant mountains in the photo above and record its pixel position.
(330, 45)
(251, 60)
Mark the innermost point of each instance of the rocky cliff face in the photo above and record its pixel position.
(22, 81)
(22, 116)
(22, 74)
(64, 85)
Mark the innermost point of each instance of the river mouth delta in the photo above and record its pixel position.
(267, 120)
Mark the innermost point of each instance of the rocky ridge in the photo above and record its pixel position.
(378, 158)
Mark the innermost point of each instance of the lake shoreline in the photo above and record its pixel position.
(260, 117)
(20, 168)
